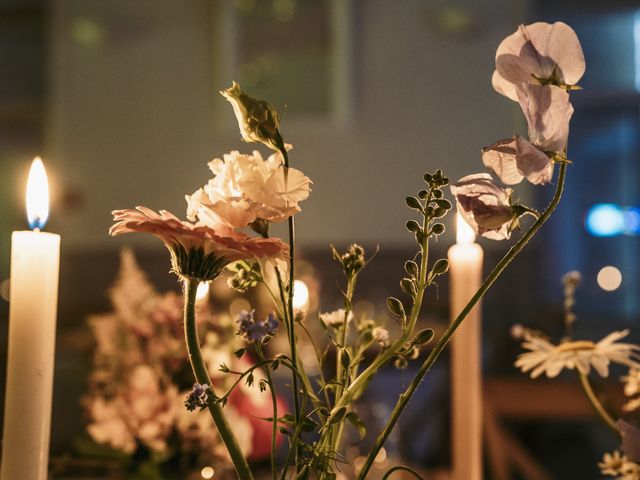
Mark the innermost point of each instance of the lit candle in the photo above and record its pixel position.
(465, 274)
(35, 259)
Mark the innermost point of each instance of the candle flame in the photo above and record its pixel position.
(37, 195)
(464, 233)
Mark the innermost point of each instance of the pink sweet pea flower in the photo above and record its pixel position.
(540, 53)
(548, 112)
(486, 207)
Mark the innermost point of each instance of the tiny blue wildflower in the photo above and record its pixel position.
(255, 331)
(198, 397)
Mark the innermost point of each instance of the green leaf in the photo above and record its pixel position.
(395, 306)
(407, 286)
(356, 421)
(423, 336)
(345, 359)
(411, 268)
(440, 267)
(338, 416)
(413, 202)
(412, 226)
(443, 203)
(438, 229)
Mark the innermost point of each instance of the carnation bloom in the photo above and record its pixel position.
(257, 119)
(550, 359)
(197, 251)
(246, 188)
(548, 112)
(485, 206)
(540, 53)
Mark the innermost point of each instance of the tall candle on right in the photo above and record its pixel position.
(465, 277)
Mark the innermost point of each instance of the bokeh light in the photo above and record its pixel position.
(300, 294)
(609, 278)
(605, 220)
(207, 472)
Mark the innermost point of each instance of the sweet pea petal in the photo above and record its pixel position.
(548, 112)
(538, 51)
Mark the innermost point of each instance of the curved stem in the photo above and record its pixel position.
(404, 469)
(595, 402)
(446, 336)
(202, 376)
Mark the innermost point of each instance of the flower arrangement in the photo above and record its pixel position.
(538, 66)
(584, 356)
(140, 401)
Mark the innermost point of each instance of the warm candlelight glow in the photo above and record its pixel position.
(300, 294)
(37, 195)
(203, 292)
(464, 233)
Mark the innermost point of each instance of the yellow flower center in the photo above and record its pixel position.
(575, 346)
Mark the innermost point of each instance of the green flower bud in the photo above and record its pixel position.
(258, 120)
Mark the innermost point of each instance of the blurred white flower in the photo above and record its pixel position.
(632, 389)
(381, 335)
(335, 319)
(142, 410)
(246, 188)
(485, 206)
(550, 359)
(619, 466)
(540, 53)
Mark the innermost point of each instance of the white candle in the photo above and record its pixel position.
(465, 274)
(32, 326)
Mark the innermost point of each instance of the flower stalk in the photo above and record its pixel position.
(289, 307)
(405, 397)
(597, 405)
(201, 374)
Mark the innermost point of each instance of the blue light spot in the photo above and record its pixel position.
(632, 221)
(605, 220)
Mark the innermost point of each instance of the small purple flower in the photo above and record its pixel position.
(198, 397)
(255, 330)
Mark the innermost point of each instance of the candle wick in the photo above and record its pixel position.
(36, 229)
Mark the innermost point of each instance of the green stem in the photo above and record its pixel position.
(390, 352)
(446, 336)
(274, 416)
(202, 376)
(404, 469)
(595, 402)
(289, 307)
(335, 434)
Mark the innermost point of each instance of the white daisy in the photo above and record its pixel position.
(632, 389)
(545, 357)
(619, 466)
